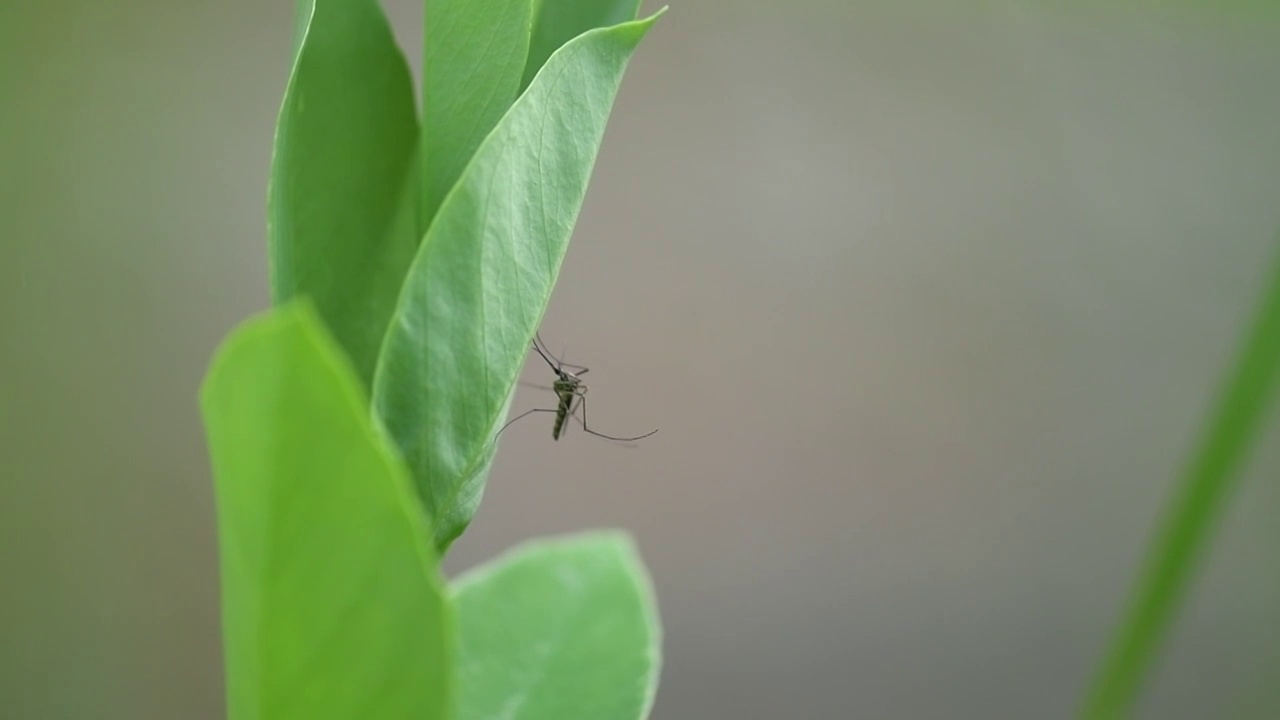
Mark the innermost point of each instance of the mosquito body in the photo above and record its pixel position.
(568, 387)
(572, 395)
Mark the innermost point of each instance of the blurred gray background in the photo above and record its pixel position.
(927, 302)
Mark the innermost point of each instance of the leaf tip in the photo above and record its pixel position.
(300, 312)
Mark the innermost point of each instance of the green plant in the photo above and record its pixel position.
(1187, 528)
(351, 428)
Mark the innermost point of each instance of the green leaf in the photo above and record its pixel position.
(1184, 535)
(341, 207)
(302, 10)
(332, 606)
(559, 630)
(557, 22)
(473, 54)
(484, 273)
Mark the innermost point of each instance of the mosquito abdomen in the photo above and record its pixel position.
(562, 412)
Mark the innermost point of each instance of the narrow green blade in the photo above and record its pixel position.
(484, 273)
(332, 605)
(1184, 535)
(559, 630)
(343, 176)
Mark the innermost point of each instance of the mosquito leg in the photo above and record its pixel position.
(573, 409)
(582, 369)
(582, 402)
(521, 415)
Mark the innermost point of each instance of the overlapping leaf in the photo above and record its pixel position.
(556, 22)
(342, 202)
(484, 273)
(473, 55)
(331, 602)
(332, 605)
(558, 630)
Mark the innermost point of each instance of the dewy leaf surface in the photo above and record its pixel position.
(473, 56)
(558, 630)
(556, 22)
(484, 273)
(341, 206)
(332, 605)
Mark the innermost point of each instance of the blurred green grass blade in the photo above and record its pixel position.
(1185, 533)
(556, 22)
(484, 274)
(332, 605)
(473, 55)
(340, 210)
(559, 630)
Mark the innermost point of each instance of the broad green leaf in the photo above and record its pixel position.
(1187, 528)
(332, 605)
(556, 22)
(343, 177)
(483, 275)
(559, 630)
(473, 56)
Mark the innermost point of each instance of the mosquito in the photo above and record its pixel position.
(572, 392)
